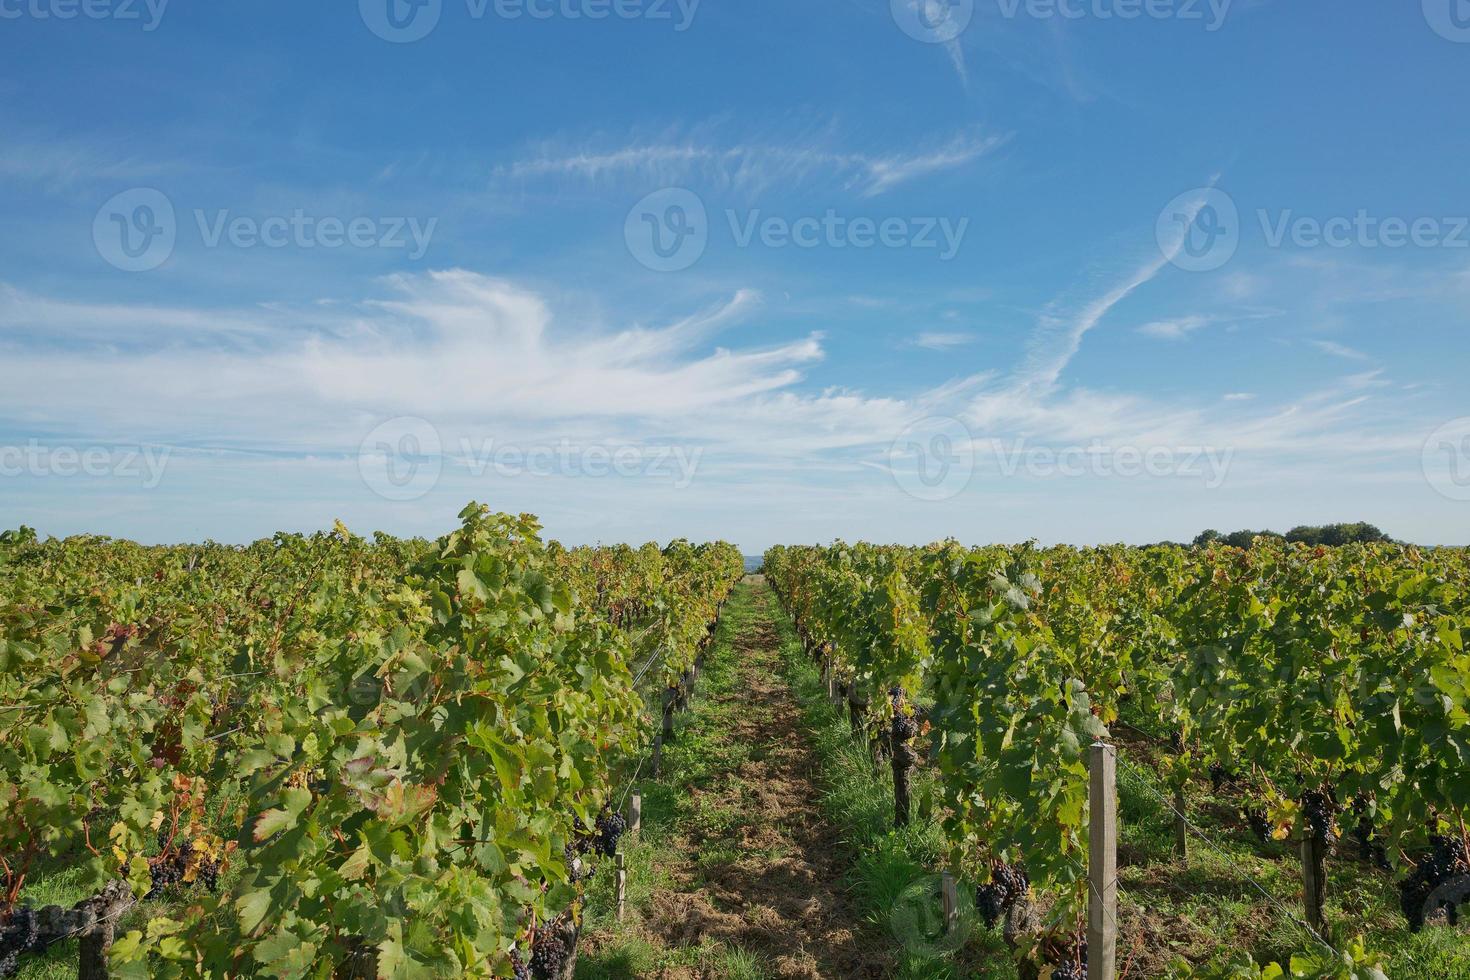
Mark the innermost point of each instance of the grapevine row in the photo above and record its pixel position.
(1329, 686)
(315, 753)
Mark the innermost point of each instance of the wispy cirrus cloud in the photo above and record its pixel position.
(1177, 328)
(937, 340)
(754, 165)
(1340, 350)
(57, 164)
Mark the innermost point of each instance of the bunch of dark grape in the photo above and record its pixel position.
(168, 869)
(1073, 967)
(1070, 970)
(1176, 742)
(905, 727)
(577, 869)
(1219, 776)
(20, 934)
(905, 721)
(1445, 860)
(1258, 823)
(521, 967)
(610, 827)
(1008, 883)
(1321, 816)
(1368, 847)
(549, 951)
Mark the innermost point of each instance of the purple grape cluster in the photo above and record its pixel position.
(1008, 884)
(1074, 963)
(1259, 825)
(610, 828)
(20, 934)
(1446, 860)
(168, 869)
(1369, 849)
(1321, 814)
(549, 951)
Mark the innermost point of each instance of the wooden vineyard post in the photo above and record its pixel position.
(949, 899)
(655, 765)
(682, 692)
(1181, 826)
(621, 885)
(856, 707)
(1314, 883)
(635, 811)
(1102, 863)
(904, 759)
(668, 730)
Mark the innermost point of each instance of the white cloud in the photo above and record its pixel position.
(58, 164)
(471, 353)
(1175, 329)
(488, 359)
(753, 165)
(1340, 350)
(940, 341)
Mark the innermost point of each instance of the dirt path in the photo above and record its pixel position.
(756, 867)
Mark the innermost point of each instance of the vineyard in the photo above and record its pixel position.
(1327, 689)
(326, 755)
(491, 755)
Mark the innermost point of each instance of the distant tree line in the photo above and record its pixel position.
(1327, 534)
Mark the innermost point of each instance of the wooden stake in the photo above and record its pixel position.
(622, 885)
(1102, 863)
(904, 758)
(1314, 884)
(949, 897)
(656, 764)
(635, 811)
(1181, 826)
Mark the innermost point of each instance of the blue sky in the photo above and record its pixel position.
(771, 271)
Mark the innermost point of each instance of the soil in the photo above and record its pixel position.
(781, 895)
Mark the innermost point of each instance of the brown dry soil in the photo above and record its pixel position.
(754, 870)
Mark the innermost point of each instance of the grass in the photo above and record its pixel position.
(696, 759)
(1210, 906)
